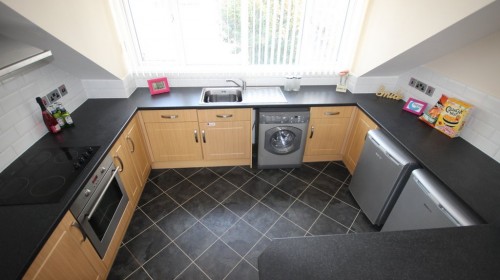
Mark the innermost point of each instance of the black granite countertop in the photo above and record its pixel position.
(453, 253)
(468, 172)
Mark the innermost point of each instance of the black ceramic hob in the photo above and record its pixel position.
(43, 175)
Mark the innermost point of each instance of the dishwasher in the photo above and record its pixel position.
(426, 203)
(380, 175)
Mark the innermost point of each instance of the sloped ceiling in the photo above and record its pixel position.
(17, 27)
(476, 26)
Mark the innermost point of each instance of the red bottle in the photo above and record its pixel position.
(48, 119)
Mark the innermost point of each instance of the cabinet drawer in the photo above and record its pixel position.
(332, 112)
(220, 115)
(150, 116)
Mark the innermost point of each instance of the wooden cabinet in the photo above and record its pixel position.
(67, 256)
(356, 140)
(188, 138)
(137, 149)
(128, 176)
(327, 133)
(225, 134)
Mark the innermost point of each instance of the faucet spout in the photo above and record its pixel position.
(243, 85)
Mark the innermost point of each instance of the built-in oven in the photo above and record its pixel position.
(100, 205)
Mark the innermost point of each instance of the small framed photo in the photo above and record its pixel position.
(159, 85)
(415, 106)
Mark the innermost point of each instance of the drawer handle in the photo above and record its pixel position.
(203, 136)
(196, 135)
(312, 132)
(131, 142)
(225, 116)
(170, 116)
(332, 113)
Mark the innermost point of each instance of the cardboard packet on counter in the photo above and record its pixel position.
(453, 117)
(431, 116)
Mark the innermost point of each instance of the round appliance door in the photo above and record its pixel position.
(282, 140)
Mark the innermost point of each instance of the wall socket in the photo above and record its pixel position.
(53, 96)
(62, 90)
(421, 86)
(429, 91)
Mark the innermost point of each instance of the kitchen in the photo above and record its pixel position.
(98, 71)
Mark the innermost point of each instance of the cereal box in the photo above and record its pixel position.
(453, 117)
(430, 117)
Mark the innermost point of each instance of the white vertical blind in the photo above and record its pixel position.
(249, 37)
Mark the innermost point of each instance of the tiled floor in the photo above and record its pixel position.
(212, 223)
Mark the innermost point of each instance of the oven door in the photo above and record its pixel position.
(100, 217)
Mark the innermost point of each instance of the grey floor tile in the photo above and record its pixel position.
(183, 191)
(176, 222)
(341, 212)
(203, 178)
(317, 165)
(337, 171)
(363, 224)
(241, 237)
(253, 255)
(284, 228)
(261, 217)
(256, 187)
(156, 172)
(326, 226)
(218, 261)
(327, 184)
(301, 214)
(220, 189)
(345, 195)
(187, 172)
(150, 192)
(139, 274)
(278, 200)
(159, 207)
(195, 240)
(221, 170)
(219, 220)
(239, 202)
(138, 224)
(192, 273)
(147, 244)
(272, 176)
(169, 263)
(124, 265)
(200, 205)
(315, 198)
(243, 271)
(238, 176)
(292, 186)
(305, 173)
(167, 179)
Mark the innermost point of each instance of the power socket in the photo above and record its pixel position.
(53, 96)
(429, 91)
(421, 86)
(413, 82)
(62, 89)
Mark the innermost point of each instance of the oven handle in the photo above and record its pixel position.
(89, 216)
(79, 227)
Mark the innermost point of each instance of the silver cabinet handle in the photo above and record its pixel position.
(170, 116)
(312, 132)
(196, 135)
(79, 227)
(131, 142)
(224, 116)
(332, 113)
(121, 163)
(102, 194)
(203, 136)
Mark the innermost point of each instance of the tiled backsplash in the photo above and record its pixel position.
(483, 127)
(21, 123)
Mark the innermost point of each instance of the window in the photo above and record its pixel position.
(248, 37)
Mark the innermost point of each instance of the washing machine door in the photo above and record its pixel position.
(282, 140)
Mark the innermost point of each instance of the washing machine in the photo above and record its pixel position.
(282, 137)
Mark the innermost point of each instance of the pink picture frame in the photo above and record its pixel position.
(159, 85)
(415, 106)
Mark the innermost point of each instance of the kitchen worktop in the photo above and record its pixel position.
(468, 172)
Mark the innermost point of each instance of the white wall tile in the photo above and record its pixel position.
(7, 157)
(8, 137)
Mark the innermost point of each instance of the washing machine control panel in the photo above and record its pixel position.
(284, 118)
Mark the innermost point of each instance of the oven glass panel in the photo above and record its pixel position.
(104, 213)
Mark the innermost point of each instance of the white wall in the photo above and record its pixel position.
(477, 64)
(21, 123)
(394, 26)
(483, 128)
(86, 26)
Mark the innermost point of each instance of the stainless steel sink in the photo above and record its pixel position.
(217, 95)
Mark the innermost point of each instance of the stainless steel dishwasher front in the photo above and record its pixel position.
(382, 170)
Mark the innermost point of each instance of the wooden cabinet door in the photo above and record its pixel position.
(174, 141)
(128, 175)
(326, 136)
(137, 150)
(356, 140)
(226, 140)
(66, 256)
